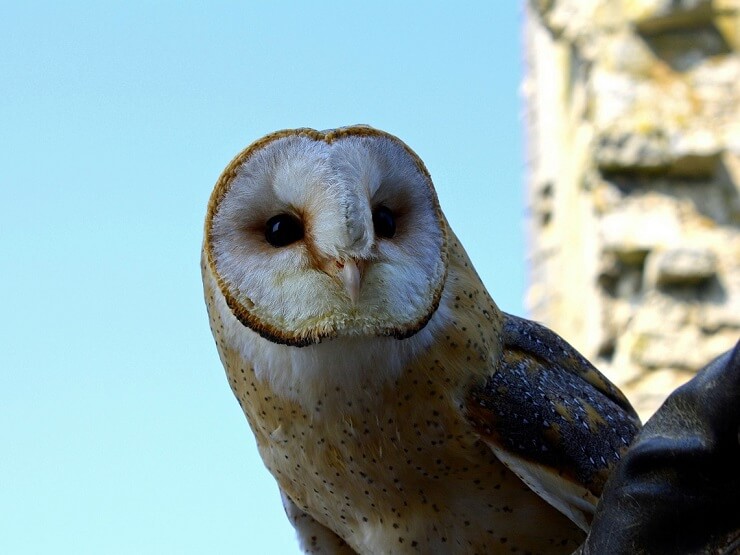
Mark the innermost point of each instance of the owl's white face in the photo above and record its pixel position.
(315, 236)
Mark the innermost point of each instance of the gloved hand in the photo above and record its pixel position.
(677, 490)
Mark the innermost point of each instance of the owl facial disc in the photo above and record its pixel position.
(315, 235)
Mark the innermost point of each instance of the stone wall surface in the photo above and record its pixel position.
(633, 117)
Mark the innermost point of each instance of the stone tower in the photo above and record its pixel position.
(633, 116)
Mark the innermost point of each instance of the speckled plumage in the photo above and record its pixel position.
(430, 439)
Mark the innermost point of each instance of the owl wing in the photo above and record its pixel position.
(552, 418)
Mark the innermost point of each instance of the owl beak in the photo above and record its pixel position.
(351, 278)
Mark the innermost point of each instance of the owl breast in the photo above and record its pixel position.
(391, 466)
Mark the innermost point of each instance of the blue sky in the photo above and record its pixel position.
(118, 429)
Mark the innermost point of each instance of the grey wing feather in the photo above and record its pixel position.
(552, 418)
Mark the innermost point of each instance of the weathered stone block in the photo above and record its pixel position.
(721, 316)
(695, 153)
(627, 149)
(672, 350)
(680, 266)
(635, 229)
(684, 153)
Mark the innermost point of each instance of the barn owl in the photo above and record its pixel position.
(399, 410)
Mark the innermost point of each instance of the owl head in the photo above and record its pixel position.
(318, 235)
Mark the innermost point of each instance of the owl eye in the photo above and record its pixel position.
(283, 229)
(384, 222)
